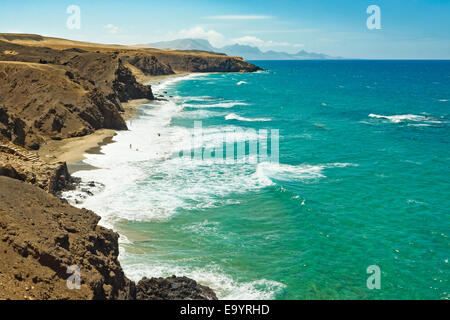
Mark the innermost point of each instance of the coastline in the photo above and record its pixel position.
(72, 151)
(105, 198)
(45, 139)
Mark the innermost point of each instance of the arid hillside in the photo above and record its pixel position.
(56, 89)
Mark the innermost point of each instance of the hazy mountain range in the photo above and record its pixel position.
(244, 51)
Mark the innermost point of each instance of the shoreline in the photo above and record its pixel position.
(72, 151)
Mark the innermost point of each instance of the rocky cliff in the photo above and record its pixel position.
(20, 164)
(187, 61)
(46, 243)
(43, 101)
(56, 88)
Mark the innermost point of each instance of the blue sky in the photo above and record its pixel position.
(409, 28)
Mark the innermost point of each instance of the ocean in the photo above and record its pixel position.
(362, 179)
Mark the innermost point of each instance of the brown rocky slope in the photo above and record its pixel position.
(56, 89)
(41, 236)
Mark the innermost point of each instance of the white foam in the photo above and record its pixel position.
(144, 182)
(199, 114)
(342, 165)
(197, 99)
(212, 276)
(234, 116)
(425, 119)
(169, 82)
(147, 182)
(241, 83)
(227, 104)
(267, 172)
(419, 125)
(399, 118)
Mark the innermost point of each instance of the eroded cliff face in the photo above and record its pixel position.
(41, 237)
(60, 89)
(57, 89)
(60, 94)
(185, 61)
(42, 101)
(20, 164)
(44, 241)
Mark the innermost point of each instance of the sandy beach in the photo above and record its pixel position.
(73, 150)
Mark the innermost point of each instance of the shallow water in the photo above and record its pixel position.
(363, 180)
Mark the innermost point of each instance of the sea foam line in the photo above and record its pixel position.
(234, 116)
(225, 286)
(227, 104)
(408, 118)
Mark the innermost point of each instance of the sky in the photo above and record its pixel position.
(409, 29)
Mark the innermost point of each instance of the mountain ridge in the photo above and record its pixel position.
(247, 52)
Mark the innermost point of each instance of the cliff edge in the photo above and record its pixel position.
(44, 241)
(57, 89)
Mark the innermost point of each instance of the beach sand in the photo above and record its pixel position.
(73, 150)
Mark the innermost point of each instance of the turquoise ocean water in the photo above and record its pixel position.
(363, 180)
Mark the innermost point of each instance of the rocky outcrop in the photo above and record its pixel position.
(60, 90)
(147, 64)
(128, 88)
(55, 88)
(204, 62)
(173, 288)
(12, 128)
(41, 237)
(45, 244)
(41, 101)
(26, 166)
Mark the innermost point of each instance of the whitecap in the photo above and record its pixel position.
(212, 276)
(408, 118)
(169, 82)
(399, 118)
(199, 114)
(227, 104)
(241, 83)
(234, 116)
(267, 172)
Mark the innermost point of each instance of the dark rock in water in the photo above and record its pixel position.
(173, 288)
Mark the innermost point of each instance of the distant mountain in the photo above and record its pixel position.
(185, 44)
(244, 51)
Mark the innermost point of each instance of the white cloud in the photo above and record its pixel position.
(112, 28)
(239, 17)
(254, 41)
(218, 40)
(214, 37)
